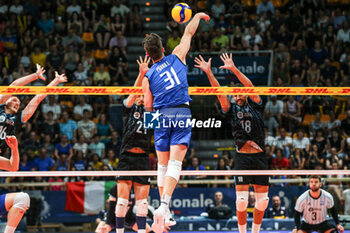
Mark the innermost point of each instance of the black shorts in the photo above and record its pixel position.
(256, 161)
(132, 162)
(321, 227)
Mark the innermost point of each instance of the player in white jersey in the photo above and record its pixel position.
(313, 205)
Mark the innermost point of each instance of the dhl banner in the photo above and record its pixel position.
(90, 90)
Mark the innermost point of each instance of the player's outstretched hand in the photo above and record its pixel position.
(202, 64)
(143, 64)
(228, 62)
(61, 78)
(203, 16)
(40, 71)
(12, 142)
(340, 228)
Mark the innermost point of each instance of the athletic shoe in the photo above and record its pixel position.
(169, 220)
(159, 219)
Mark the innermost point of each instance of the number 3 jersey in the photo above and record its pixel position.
(9, 123)
(134, 135)
(168, 82)
(314, 209)
(247, 124)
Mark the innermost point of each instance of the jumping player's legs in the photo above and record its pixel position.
(123, 187)
(241, 206)
(261, 203)
(141, 194)
(163, 159)
(16, 204)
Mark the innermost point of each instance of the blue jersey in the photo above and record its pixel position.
(168, 82)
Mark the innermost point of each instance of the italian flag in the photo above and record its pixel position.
(87, 197)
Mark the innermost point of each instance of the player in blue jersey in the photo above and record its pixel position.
(249, 136)
(166, 91)
(15, 204)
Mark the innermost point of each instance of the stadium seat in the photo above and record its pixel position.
(341, 117)
(325, 118)
(247, 3)
(308, 118)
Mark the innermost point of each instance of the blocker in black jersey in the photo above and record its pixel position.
(9, 123)
(247, 124)
(134, 136)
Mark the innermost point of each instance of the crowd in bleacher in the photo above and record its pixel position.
(88, 40)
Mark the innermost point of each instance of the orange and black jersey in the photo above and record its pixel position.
(247, 124)
(134, 134)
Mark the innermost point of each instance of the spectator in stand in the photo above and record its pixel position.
(74, 7)
(86, 126)
(270, 122)
(119, 8)
(79, 163)
(104, 128)
(236, 40)
(75, 24)
(16, 8)
(334, 158)
(95, 162)
(37, 57)
(313, 75)
(102, 31)
(220, 42)
(330, 40)
(284, 142)
(221, 23)
(47, 143)
(97, 147)
(31, 143)
(53, 107)
(50, 126)
(62, 163)
(71, 40)
(253, 41)
(265, 6)
(43, 162)
(329, 71)
(114, 143)
(316, 124)
(117, 65)
(119, 41)
(70, 61)
(45, 24)
(332, 123)
(118, 24)
(317, 53)
(336, 141)
(301, 142)
(292, 112)
(102, 77)
(222, 165)
(81, 107)
(173, 41)
(80, 145)
(314, 158)
(136, 20)
(196, 165)
(280, 162)
(275, 106)
(277, 211)
(63, 147)
(54, 59)
(297, 159)
(217, 9)
(345, 125)
(294, 22)
(111, 161)
(81, 76)
(68, 126)
(320, 141)
(219, 210)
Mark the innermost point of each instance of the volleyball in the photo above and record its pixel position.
(181, 13)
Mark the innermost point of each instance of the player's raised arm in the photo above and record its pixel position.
(24, 81)
(148, 97)
(33, 104)
(143, 68)
(11, 164)
(206, 67)
(182, 49)
(229, 65)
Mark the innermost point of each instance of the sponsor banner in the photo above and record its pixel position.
(256, 68)
(72, 90)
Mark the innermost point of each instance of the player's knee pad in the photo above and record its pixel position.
(122, 207)
(174, 169)
(261, 201)
(21, 201)
(142, 208)
(241, 200)
(161, 171)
